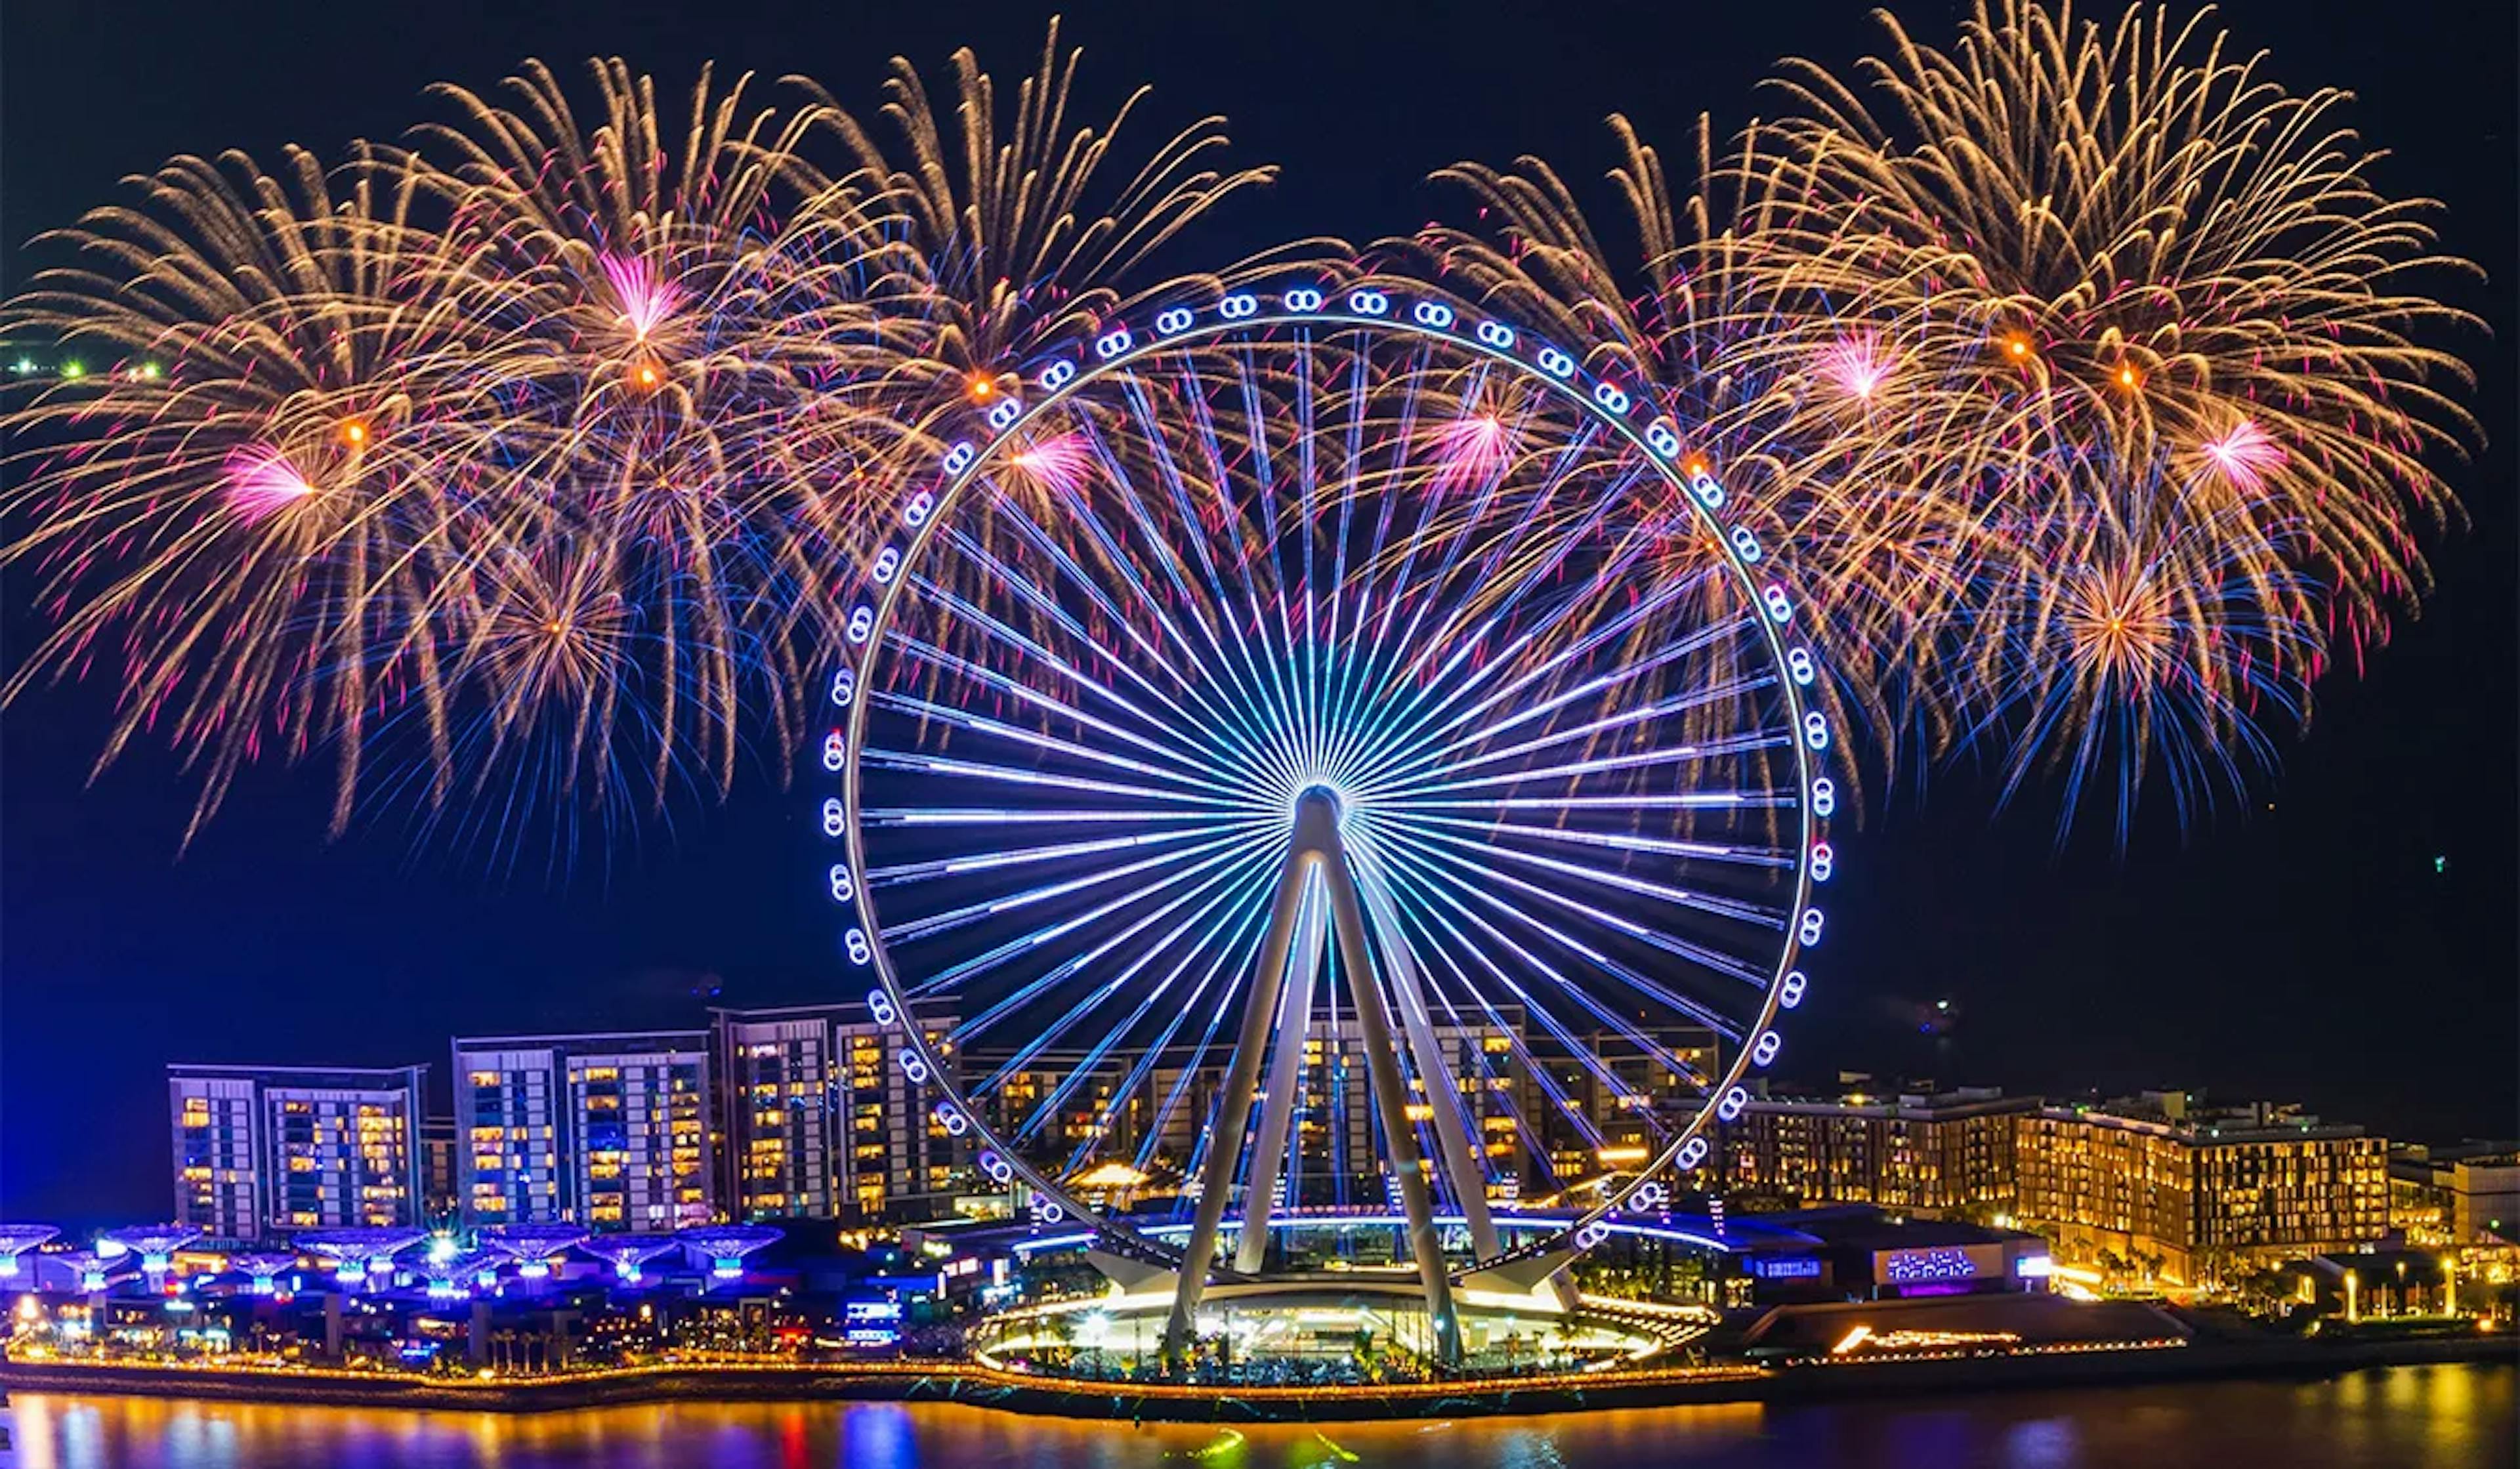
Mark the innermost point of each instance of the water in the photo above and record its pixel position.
(2433, 1416)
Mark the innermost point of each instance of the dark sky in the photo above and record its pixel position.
(2308, 951)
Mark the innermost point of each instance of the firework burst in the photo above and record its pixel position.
(2150, 645)
(2126, 240)
(1942, 323)
(251, 525)
(1014, 225)
(515, 466)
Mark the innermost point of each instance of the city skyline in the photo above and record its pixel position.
(800, 1113)
(2245, 960)
(1388, 734)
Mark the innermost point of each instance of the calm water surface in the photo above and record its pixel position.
(2432, 1416)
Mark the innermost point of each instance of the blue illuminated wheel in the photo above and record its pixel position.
(1265, 713)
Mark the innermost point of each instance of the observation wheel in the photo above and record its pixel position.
(1272, 786)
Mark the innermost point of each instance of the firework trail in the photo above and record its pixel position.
(513, 468)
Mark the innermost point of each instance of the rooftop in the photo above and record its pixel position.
(1862, 1226)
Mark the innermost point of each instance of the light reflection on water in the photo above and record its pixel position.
(2387, 1417)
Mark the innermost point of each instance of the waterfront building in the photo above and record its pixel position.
(1060, 1100)
(606, 1131)
(2106, 1187)
(823, 1121)
(261, 1151)
(2465, 1193)
(1339, 1130)
(1857, 1252)
(1945, 1153)
(2173, 1189)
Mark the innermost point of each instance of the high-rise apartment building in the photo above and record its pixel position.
(263, 1151)
(439, 1171)
(823, 1120)
(610, 1130)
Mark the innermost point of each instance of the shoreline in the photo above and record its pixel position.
(976, 1385)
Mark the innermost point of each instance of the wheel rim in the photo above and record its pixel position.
(1374, 544)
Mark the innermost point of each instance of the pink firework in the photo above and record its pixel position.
(1471, 448)
(645, 299)
(1856, 365)
(2245, 454)
(261, 482)
(1059, 465)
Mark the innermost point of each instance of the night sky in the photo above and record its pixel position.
(2305, 949)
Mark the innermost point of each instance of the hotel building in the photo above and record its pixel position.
(1940, 1154)
(610, 1130)
(2190, 1193)
(823, 1121)
(263, 1151)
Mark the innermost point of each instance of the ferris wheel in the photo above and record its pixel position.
(1322, 749)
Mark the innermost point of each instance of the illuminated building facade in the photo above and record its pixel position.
(440, 1169)
(1339, 1132)
(261, 1151)
(2273, 1186)
(1940, 1154)
(2189, 1194)
(610, 1131)
(1079, 1098)
(2100, 1186)
(1155, 1117)
(1619, 1098)
(2460, 1194)
(823, 1121)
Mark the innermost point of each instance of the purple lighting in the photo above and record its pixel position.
(17, 1239)
(725, 1246)
(534, 1247)
(626, 1253)
(357, 1253)
(1932, 1263)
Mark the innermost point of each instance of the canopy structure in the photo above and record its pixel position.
(359, 1253)
(263, 1267)
(534, 1247)
(726, 1246)
(155, 1244)
(16, 1240)
(627, 1253)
